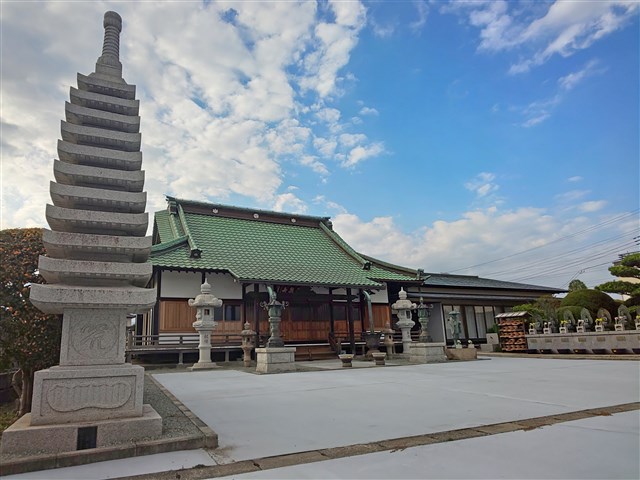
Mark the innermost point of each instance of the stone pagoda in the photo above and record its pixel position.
(96, 271)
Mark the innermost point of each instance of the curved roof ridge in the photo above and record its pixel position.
(170, 245)
(179, 201)
(342, 244)
(392, 266)
(195, 251)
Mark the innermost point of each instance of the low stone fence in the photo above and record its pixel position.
(591, 342)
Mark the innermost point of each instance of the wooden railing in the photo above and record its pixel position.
(180, 344)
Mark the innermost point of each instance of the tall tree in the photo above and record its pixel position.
(577, 285)
(627, 267)
(29, 339)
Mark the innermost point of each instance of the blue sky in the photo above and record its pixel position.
(449, 136)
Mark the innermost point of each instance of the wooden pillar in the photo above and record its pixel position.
(155, 327)
(352, 339)
(332, 328)
(256, 312)
(243, 310)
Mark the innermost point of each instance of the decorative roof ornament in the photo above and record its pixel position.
(109, 62)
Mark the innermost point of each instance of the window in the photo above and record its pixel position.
(470, 313)
(231, 312)
(480, 322)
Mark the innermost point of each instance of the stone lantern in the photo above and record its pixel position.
(248, 343)
(275, 357)
(424, 314)
(204, 324)
(403, 308)
(274, 308)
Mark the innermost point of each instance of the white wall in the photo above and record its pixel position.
(224, 286)
(187, 285)
(180, 284)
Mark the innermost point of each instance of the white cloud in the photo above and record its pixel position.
(526, 244)
(565, 28)
(482, 185)
(322, 200)
(289, 202)
(219, 93)
(368, 111)
(382, 31)
(363, 152)
(576, 178)
(592, 206)
(572, 195)
(315, 165)
(568, 82)
(422, 10)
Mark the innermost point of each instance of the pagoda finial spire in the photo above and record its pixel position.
(109, 62)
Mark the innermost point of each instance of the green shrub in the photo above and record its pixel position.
(592, 300)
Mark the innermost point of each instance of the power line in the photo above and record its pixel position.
(556, 258)
(560, 239)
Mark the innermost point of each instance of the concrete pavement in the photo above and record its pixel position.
(261, 416)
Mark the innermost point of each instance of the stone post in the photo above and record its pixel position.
(248, 343)
(205, 323)
(403, 308)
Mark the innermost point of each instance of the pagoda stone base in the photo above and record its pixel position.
(275, 360)
(24, 438)
(79, 394)
(427, 353)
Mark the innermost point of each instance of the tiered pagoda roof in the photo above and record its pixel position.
(97, 249)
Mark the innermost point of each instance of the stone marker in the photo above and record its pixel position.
(96, 271)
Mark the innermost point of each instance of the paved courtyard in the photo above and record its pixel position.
(259, 416)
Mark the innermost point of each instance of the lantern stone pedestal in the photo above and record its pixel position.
(275, 359)
(204, 349)
(423, 352)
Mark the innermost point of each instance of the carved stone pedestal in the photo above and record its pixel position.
(275, 360)
(25, 438)
(427, 353)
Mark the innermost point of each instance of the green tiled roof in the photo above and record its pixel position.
(258, 250)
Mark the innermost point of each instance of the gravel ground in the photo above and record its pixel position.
(174, 422)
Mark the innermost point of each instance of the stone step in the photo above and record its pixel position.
(97, 177)
(100, 85)
(99, 199)
(106, 103)
(95, 273)
(91, 117)
(100, 223)
(56, 298)
(107, 248)
(100, 137)
(99, 157)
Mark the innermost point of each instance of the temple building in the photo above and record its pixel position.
(326, 284)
